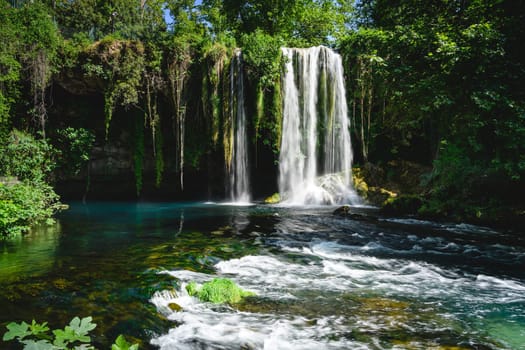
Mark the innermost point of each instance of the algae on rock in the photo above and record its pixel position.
(218, 291)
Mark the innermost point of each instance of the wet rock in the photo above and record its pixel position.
(343, 211)
(346, 211)
(175, 307)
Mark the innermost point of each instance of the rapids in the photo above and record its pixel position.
(321, 281)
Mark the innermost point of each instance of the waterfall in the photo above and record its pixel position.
(315, 160)
(239, 183)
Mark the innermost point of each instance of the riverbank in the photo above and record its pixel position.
(402, 188)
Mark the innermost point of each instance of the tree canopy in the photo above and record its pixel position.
(437, 82)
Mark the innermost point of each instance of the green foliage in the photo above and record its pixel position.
(262, 56)
(39, 42)
(77, 331)
(74, 146)
(218, 291)
(25, 204)
(29, 159)
(446, 90)
(122, 344)
(35, 336)
(9, 64)
(298, 22)
(33, 199)
(120, 65)
(99, 18)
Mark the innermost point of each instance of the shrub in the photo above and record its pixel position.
(27, 158)
(26, 204)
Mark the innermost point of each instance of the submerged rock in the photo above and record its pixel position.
(346, 211)
(343, 211)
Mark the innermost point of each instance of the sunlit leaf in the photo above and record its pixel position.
(16, 330)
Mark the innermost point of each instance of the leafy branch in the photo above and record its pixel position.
(36, 336)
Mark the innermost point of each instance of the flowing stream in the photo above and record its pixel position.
(315, 132)
(321, 281)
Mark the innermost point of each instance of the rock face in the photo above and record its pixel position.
(379, 185)
(111, 160)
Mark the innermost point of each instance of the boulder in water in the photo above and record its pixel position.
(175, 307)
(343, 211)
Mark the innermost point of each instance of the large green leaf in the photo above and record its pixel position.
(16, 330)
(122, 344)
(82, 327)
(37, 345)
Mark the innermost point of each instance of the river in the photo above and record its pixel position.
(321, 281)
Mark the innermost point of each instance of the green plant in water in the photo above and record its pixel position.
(35, 336)
(218, 291)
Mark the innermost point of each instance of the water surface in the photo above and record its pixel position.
(322, 281)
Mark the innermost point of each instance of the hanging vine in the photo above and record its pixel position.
(39, 41)
(216, 97)
(120, 65)
(40, 76)
(153, 84)
(177, 71)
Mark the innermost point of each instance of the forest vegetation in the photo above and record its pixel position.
(97, 93)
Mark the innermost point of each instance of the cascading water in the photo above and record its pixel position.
(315, 161)
(239, 183)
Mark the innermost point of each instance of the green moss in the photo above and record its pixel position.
(259, 108)
(218, 291)
(273, 199)
(278, 116)
(108, 111)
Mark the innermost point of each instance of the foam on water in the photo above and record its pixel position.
(323, 272)
(206, 326)
(329, 283)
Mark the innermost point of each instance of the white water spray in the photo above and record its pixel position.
(315, 161)
(239, 183)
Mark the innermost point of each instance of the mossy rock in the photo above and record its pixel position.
(273, 199)
(373, 194)
(175, 307)
(218, 291)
